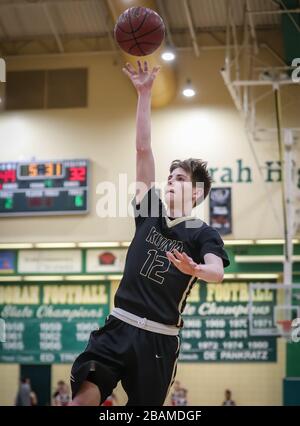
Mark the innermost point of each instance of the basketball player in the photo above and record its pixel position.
(139, 343)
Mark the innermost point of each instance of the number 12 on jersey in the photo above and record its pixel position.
(155, 266)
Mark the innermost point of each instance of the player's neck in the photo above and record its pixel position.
(176, 213)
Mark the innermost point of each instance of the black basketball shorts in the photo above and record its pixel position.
(144, 361)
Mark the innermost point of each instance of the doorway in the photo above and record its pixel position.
(40, 378)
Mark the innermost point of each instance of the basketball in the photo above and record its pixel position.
(139, 31)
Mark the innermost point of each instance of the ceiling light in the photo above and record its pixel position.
(188, 90)
(168, 56)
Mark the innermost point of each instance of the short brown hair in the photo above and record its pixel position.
(197, 169)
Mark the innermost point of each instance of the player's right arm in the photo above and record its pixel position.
(145, 168)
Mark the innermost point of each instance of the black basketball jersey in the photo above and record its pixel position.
(152, 287)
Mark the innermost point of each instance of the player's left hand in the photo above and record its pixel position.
(184, 263)
(143, 78)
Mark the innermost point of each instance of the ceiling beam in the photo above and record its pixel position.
(191, 27)
(274, 12)
(252, 26)
(108, 24)
(53, 28)
(162, 11)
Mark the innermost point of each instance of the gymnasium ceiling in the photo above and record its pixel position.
(66, 26)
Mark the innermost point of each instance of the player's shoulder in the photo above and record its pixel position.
(208, 229)
(202, 231)
(198, 226)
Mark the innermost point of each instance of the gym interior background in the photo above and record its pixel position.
(65, 99)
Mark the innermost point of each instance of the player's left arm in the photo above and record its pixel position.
(211, 271)
(143, 80)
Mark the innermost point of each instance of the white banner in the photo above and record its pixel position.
(48, 261)
(105, 260)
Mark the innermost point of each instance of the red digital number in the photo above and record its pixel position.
(77, 173)
(7, 176)
(49, 202)
(35, 202)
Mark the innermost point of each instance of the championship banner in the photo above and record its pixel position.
(220, 210)
(50, 323)
(216, 325)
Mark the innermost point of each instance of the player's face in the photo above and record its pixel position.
(179, 192)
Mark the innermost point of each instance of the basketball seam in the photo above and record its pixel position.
(148, 42)
(136, 42)
(142, 35)
(132, 31)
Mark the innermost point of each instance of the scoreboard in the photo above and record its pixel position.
(44, 187)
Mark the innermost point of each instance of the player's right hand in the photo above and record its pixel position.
(184, 263)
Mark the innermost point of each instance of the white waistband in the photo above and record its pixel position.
(144, 323)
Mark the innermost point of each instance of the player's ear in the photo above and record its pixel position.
(198, 194)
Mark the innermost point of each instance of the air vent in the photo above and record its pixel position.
(67, 88)
(63, 88)
(25, 90)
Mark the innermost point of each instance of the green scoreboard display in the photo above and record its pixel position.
(44, 187)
